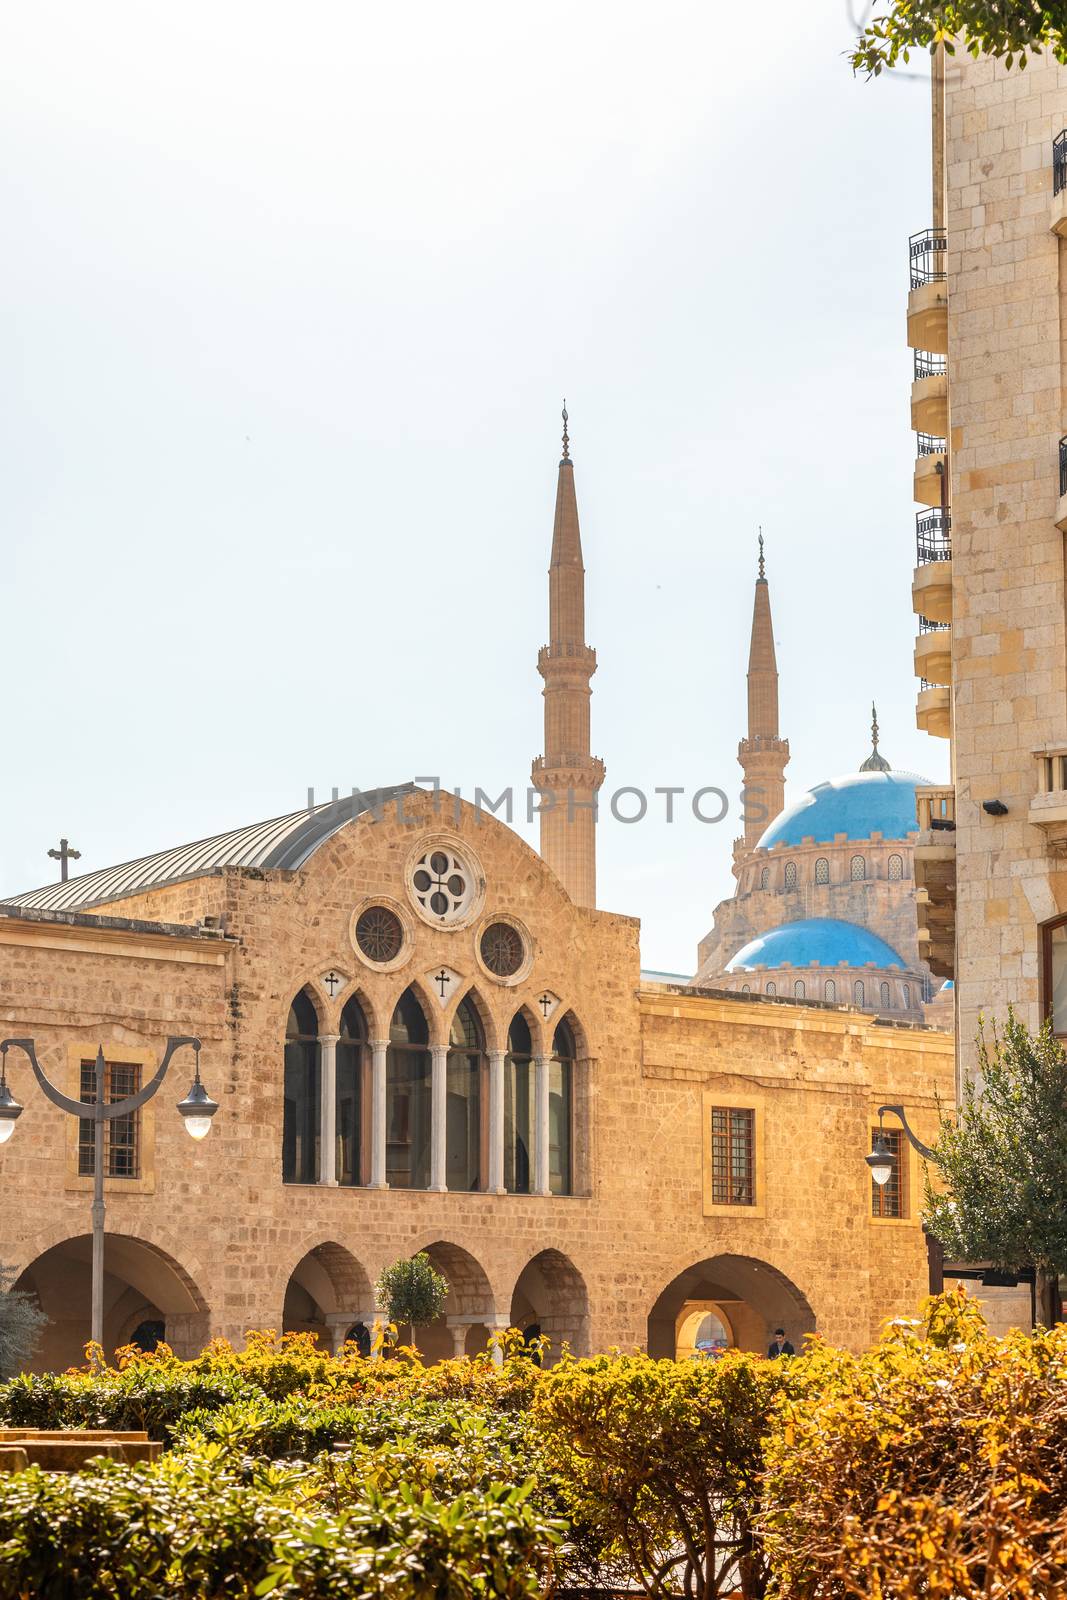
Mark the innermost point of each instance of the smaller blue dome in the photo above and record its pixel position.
(822, 939)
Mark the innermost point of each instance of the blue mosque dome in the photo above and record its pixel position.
(857, 805)
(823, 939)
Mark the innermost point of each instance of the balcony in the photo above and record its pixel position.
(933, 652)
(933, 710)
(931, 464)
(929, 394)
(931, 582)
(1058, 218)
(1048, 808)
(928, 299)
(935, 879)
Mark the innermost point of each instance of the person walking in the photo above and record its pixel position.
(780, 1345)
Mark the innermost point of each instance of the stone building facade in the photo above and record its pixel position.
(988, 287)
(421, 1037)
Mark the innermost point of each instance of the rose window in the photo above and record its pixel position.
(502, 949)
(379, 934)
(443, 884)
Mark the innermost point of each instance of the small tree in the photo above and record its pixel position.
(20, 1325)
(1003, 1160)
(412, 1291)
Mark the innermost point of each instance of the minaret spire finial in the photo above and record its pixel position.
(566, 435)
(876, 761)
(762, 564)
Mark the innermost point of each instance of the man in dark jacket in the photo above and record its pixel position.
(780, 1345)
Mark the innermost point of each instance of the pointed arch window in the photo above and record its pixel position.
(798, 989)
(561, 1109)
(858, 992)
(790, 875)
(302, 1090)
(764, 877)
(895, 868)
(822, 870)
(352, 1089)
(518, 1108)
(467, 1071)
(831, 989)
(408, 1097)
(883, 994)
(858, 868)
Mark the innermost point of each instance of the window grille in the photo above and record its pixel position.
(772, 988)
(858, 868)
(790, 874)
(831, 989)
(896, 868)
(906, 991)
(798, 989)
(733, 1177)
(858, 992)
(887, 1199)
(822, 870)
(884, 992)
(122, 1135)
(765, 877)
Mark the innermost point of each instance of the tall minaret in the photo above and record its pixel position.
(567, 776)
(763, 755)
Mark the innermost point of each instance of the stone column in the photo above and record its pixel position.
(328, 1108)
(497, 1326)
(495, 1185)
(438, 1116)
(459, 1338)
(377, 1118)
(541, 1185)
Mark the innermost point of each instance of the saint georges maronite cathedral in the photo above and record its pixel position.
(423, 1035)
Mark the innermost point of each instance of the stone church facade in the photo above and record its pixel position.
(424, 1035)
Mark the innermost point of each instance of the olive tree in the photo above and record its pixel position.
(1004, 29)
(20, 1325)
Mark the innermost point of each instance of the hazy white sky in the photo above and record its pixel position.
(292, 296)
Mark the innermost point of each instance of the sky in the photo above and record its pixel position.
(292, 297)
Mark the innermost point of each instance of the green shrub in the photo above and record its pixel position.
(138, 1396)
(934, 1465)
(660, 1461)
(192, 1527)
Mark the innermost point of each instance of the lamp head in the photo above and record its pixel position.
(198, 1108)
(880, 1160)
(10, 1111)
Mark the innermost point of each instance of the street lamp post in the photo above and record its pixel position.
(880, 1159)
(197, 1110)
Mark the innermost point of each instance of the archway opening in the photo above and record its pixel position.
(329, 1295)
(148, 1297)
(469, 1310)
(748, 1298)
(551, 1293)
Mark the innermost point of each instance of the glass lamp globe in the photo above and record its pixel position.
(198, 1127)
(7, 1128)
(880, 1162)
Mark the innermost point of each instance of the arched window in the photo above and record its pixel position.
(772, 988)
(883, 993)
(302, 1114)
(518, 1108)
(561, 1110)
(463, 1122)
(822, 870)
(351, 1088)
(831, 989)
(858, 868)
(407, 1097)
(858, 992)
(746, 988)
(895, 869)
(798, 989)
(790, 875)
(906, 992)
(765, 877)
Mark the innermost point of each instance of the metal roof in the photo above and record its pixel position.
(282, 842)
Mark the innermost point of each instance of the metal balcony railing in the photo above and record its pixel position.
(1059, 162)
(929, 444)
(933, 536)
(926, 256)
(928, 365)
(1063, 466)
(926, 626)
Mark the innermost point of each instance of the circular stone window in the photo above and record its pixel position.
(502, 949)
(443, 885)
(379, 934)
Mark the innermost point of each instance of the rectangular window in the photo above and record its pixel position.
(122, 1135)
(733, 1156)
(887, 1199)
(1056, 976)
